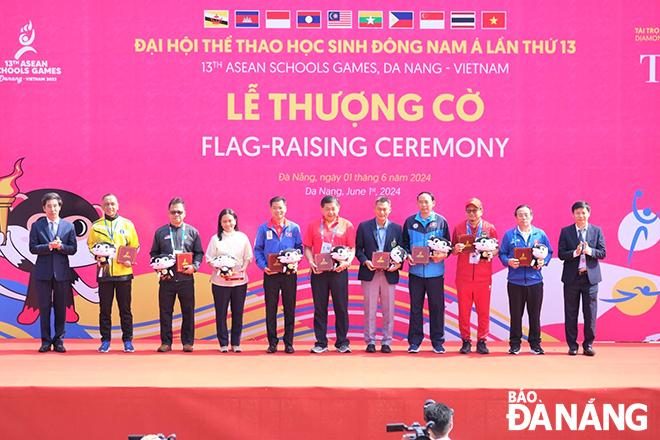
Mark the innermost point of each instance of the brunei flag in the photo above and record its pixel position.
(216, 19)
(370, 19)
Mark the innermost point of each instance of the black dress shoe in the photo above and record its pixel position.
(572, 351)
(385, 349)
(44, 348)
(371, 348)
(59, 348)
(289, 349)
(589, 351)
(272, 349)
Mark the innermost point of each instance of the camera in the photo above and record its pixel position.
(418, 431)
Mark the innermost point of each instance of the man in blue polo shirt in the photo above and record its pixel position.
(426, 279)
(274, 236)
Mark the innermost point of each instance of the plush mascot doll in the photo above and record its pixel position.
(290, 259)
(163, 264)
(104, 252)
(485, 246)
(225, 264)
(439, 244)
(539, 252)
(397, 256)
(339, 254)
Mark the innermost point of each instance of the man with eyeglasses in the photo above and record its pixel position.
(525, 283)
(473, 276)
(178, 238)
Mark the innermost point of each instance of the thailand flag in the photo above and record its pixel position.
(431, 20)
(278, 19)
(401, 20)
(463, 20)
(247, 19)
(309, 19)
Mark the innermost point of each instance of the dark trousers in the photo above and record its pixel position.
(222, 298)
(52, 293)
(323, 284)
(519, 297)
(288, 285)
(107, 290)
(167, 293)
(580, 289)
(434, 289)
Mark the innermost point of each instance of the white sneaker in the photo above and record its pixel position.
(344, 349)
(318, 349)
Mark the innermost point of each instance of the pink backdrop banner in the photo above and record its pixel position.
(511, 102)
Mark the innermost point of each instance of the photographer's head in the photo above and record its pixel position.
(439, 418)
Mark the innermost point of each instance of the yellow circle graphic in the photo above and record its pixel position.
(637, 295)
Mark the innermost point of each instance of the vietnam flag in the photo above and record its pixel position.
(493, 20)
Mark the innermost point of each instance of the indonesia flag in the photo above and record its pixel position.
(278, 19)
(401, 20)
(493, 20)
(431, 20)
(308, 19)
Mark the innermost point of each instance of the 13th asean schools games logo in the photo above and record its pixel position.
(22, 68)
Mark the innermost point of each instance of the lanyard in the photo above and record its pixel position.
(526, 240)
(332, 239)
(111, 231)
(183, 237)
(381, 240)
(469, 231)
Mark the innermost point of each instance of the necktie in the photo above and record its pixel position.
(52, 230)
(583, 259)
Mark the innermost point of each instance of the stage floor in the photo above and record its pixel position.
(211, 395)
(615, 365)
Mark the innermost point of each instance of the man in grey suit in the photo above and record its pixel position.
(52, 239)
(378, 235)
(581, 245)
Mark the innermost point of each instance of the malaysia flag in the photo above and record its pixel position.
(401, 20)
(431, 20)
(493, 20)
(278, 19)
(309, 19)
(340, 19)
(463, 20)
(247, 19)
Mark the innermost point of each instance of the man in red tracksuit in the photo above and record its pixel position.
(473, 276)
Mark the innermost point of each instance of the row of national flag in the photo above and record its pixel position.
(364, 19)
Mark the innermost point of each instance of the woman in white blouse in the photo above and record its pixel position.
(230, 288)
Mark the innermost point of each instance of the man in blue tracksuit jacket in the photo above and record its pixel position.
(426, 278)
(274, 236)
(525, 284)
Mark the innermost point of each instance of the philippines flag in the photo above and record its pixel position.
(493, 20)
(340, 19)
(463, 20)
(309, 19)
(247, 19)
(278, 19)
(401, 20)
(431, 20)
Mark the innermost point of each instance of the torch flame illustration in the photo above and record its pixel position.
(8, 191)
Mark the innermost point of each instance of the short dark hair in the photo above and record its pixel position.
(51, 196)
(329, 199)
(108, 195)
(277, 199)
(383, 200)
(441, 415)
(224, 212)
(426, 192)
(515, 213)
(176, 201)
(581, 204)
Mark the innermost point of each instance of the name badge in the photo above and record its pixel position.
(177, 251)
(269, 235)
(326, 248)
(474, 258)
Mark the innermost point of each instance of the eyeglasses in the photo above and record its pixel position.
(176, 212)
(471, 211)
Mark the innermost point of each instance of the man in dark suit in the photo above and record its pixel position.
(52, 239)
(580, 247)
(378, 235)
